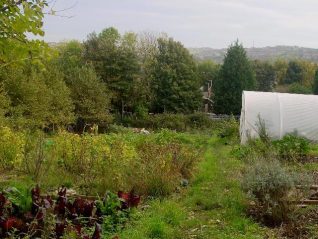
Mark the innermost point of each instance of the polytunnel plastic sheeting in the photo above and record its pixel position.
(281, 113)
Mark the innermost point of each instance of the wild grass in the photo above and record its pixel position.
(214, 205)
(152, 165)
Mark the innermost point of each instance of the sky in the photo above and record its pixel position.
(196, 23)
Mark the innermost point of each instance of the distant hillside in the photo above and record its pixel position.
(264, 53)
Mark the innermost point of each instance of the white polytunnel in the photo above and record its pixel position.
(281, 114)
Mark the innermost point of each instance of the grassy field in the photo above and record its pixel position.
(212, 207)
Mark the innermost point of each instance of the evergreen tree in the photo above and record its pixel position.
(236, 75)
(176, 83)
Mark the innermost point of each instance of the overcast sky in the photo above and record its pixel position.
(196, 23)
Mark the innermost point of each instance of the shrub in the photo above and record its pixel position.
(11, 148)
(113, 219)
(160, 167)
(229, 129)
(292, 147)
(297, 88)
(199, 121)
(273, 187)
(254, 149)
(178, 122)
(153, 164)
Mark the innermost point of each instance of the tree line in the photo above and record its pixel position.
(238, 73)
(111, 75)
(89, 82)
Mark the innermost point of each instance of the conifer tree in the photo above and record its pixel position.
(236, 75)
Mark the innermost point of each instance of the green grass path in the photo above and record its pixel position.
(212, 206)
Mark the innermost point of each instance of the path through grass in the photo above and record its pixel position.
(212, 207)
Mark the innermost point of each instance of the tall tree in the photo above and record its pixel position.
(37, 98)
(175, 80)
(61, 107)
(147, 49)
(236, 75)
(90, 96)
(29, 97)
(115, 60)
(294, 73)
(70, 56)
(265, 76)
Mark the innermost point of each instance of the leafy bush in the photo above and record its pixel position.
(273, 187)
(199, 121)
(292, 147)
(253, 150)
(113, 219)
(11, 148)
(178, 122)
(297, 88)
(229, 129)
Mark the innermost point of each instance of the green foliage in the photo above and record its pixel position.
(37, 98)
(213, 207)
(178, 122)
(280, 67)
(17, 20)
(229, 129)
(61, 105)
(315, 85)
(20, 197)
(90, 96)
(4, 104)
(294, 73)
(152, 164)
(297, 88)
(208, 71)
(113, 219)
(175, 80)
(115, 60)
(162, 220)
(272, 186)
(11, 148)
(265, 76)
(292, 147)
(70, 56)
(236, 75)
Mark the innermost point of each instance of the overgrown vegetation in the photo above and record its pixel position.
(151, 164)
(55, 101)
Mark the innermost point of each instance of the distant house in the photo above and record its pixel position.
(207, 103)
